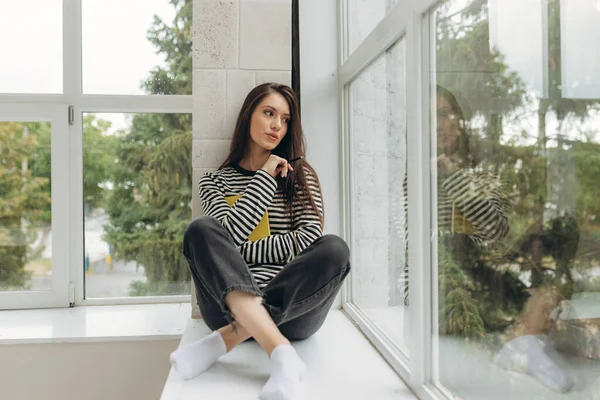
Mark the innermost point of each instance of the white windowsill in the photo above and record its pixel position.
(342, 364)
(94, 323)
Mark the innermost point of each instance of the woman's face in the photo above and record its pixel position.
(447, 127)
(269, 122)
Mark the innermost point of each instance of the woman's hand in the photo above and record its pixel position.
(277, 166)
(446, 165)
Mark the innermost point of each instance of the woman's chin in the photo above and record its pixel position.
(269, 146)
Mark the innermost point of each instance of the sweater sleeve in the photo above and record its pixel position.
(481, 199)
(283, 248)
(241, 219)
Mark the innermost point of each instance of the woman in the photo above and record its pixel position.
(279, 287)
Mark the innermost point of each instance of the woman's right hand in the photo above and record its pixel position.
(277, 166)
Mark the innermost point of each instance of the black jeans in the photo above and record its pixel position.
(298, 298)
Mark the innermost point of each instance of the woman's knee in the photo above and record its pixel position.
(200, 227)
(336, 250)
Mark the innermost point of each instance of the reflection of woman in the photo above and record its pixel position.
(275, 288)
(470, 201)
(472, 210)
(473, 214)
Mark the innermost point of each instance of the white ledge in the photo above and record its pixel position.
(342, 364)
(94, 323)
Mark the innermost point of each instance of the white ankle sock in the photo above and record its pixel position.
(287, 372)
(526, 354)
(192, 359)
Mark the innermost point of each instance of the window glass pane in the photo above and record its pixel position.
(25, 207)
(137, 47)
(517, 228)
(31, 43)
(137, 185)
(579, 30)
(378, 164)
(364, 15)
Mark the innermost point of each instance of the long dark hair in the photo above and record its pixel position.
(292, 145)
(465, 149)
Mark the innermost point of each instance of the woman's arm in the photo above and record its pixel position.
(278, 249)
(241, 219)
(480, 198)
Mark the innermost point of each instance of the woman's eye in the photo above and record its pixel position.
(287, 121)
(269, 113)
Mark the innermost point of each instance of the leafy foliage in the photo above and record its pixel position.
(150, 204)
(23, 202)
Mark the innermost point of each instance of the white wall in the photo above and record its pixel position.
(319, 99)
(86, 371)
(320, 104)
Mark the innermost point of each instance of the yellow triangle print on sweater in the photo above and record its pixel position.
(262, 230)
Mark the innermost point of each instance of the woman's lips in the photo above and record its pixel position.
(272, 136)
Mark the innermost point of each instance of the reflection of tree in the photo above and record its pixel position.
(150, 204)
(543, 234)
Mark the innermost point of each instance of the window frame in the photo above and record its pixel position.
(408, 20)
(391, 29)
(72, 270)
(58, 295)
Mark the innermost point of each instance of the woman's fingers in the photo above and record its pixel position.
(284, 168)
(281, 168)
(287, 168)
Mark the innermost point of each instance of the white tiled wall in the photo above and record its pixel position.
(237, 45)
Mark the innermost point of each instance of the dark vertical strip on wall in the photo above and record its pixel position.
(296, 51)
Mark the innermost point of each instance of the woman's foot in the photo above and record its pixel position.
(192, 359)
(527, 354)
(288, 370)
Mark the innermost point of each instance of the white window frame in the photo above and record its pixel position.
(72, 270)
(409, 20)
(58, 295)
(389, 31)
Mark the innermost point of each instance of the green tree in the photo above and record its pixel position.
(98, 158)
(150, 204)
(23, 202)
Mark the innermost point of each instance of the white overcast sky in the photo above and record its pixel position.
(117, 55)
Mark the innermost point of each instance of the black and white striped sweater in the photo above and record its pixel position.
(473, 203)
(469, 202)
(290, 233)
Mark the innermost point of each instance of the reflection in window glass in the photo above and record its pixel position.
(25, 207)
(378, 195)
(579, 30)
(137, 181)
(143, 48)
(517, 210)
(31, 42)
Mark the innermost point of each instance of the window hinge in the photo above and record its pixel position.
(71, 294)
(71, 115)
